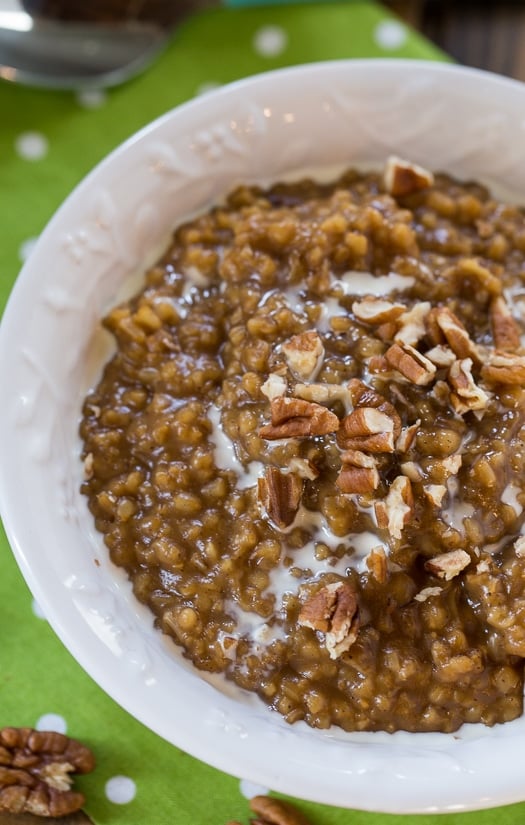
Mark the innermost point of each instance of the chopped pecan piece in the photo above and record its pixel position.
(387, 331)
(404, 178)
(304, 354)
(435, 493)
(228, 644)
(324, 393)
(378, 443)
(296, 418)
(394, 512)
(407, 437)
(412, 325)
(411, 364)
(272, 811)
(358, 473)
(452, 464)
(364, 396)
(36, 772)
(372, 310)
(519, 547)
(412, 471)
(367, 421)
(280, 494)
(377, 563)
(303, 468)
(466, 394)
(483, 566)
(441, 355)
(88, 466)
(367, 429)
(506, 333)
(434, 332)
(427, 593)
(448, 565)
(274, 386)
(442, 320)
(358, 459)
(504, 368)
(334, 611)
(441, 392)
(378, 364)
(381, 514)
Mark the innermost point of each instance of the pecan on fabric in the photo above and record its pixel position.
(36, 769)
(270, 811)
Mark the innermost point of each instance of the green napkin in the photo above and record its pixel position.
(48, 142)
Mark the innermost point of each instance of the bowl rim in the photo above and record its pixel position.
(230, 759)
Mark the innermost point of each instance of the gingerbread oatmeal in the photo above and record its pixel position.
(308, 449)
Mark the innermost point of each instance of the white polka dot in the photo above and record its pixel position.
(91, 98)
(390, 34)
(25, 248)
(270, 41)
(120, 789)
(52, 721)
(250, 789)
(204, 88)
(37, 610)
(31, 145)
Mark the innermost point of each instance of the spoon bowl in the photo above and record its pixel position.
(59, 54)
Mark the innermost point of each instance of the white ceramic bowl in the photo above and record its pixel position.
(466, 122)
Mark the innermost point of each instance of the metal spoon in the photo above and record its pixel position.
(73, 55)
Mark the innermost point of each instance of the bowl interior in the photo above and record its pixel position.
(317, 118)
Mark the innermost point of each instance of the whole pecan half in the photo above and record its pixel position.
(280, 494)
(367, 429)
(272, 811)
(36, 770)
(296, 418)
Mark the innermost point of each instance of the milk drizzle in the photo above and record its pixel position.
(225, 456)
(510, 496)
(358, 545)
(457, 511)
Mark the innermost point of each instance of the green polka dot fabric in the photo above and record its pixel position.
(48, 142)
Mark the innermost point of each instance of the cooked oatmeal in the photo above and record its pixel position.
(308, 448)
